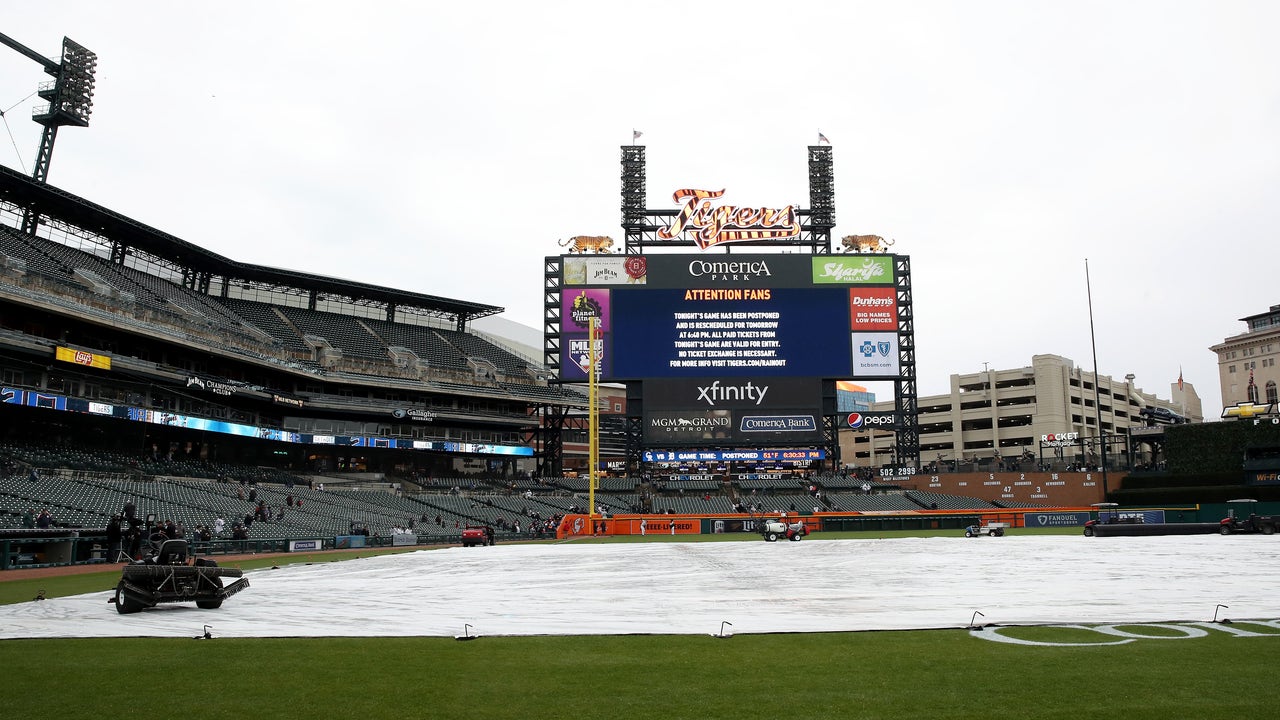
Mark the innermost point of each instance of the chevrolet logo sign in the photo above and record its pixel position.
(1246, 410)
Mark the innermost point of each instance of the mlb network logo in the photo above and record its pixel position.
(580, 355)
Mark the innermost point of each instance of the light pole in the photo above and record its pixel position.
(1097, 400)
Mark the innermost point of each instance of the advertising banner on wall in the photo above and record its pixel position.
(872, 309)
(692, 428)
(853, 270)
(81, 357)
(688, 427)
(754, 411)
(32, 398)
(759, 393)
(620, 270)
(875, 354)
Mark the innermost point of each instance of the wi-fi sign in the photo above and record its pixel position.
(855, 420)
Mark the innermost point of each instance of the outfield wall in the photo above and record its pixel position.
(714, 524)
(1058, 489)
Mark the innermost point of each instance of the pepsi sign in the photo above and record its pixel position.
(858, 421)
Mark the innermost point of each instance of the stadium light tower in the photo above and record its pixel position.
(70, 98)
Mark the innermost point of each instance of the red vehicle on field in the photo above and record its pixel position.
(473, 535)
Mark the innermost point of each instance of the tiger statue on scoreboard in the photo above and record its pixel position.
(584, 243)
(865, 243)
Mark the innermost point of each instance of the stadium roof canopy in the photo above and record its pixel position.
(49, 201)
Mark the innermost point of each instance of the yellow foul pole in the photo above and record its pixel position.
(593, 420)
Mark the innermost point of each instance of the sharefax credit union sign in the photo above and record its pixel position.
(711, 224)
(853, 270)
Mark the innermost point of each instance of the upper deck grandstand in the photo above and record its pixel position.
(182, 332)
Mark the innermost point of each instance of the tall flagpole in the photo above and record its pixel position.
(1097, 402)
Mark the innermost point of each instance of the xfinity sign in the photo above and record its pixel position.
(752, 393)
(715, 392)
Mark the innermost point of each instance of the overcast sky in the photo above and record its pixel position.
(445, 148)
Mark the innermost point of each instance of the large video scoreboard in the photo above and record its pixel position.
(730, 349)
(681, 316)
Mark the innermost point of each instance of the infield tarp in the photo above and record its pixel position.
(815, 585)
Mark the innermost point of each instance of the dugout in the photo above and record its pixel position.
(32, 548)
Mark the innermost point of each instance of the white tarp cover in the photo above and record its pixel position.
(693, 588)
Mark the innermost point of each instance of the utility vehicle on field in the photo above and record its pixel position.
(473, 535)
(773, 528)
(166, 575)
(1252, 523)
(995, 529)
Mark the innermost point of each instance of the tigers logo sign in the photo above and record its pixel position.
(711, 225)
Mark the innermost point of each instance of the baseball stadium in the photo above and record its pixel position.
(329, 485)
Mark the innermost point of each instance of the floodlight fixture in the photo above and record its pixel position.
(70, 101)
(70, 95)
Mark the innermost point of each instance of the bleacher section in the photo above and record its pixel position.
(692, 504)
(78, 268)
(24, 247)
(607, 484)
(75, 459)
(539, 393)
(424, 342)
(156, 304)
(84, 488)
(871, 503)
(472, 346)
(371, 339)
(343, 332)
(265, 318)
(938, 501)
(851, 482)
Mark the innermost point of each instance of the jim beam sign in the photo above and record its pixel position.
(712, 225)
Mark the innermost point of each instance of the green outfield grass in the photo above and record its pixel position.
(937, 674)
